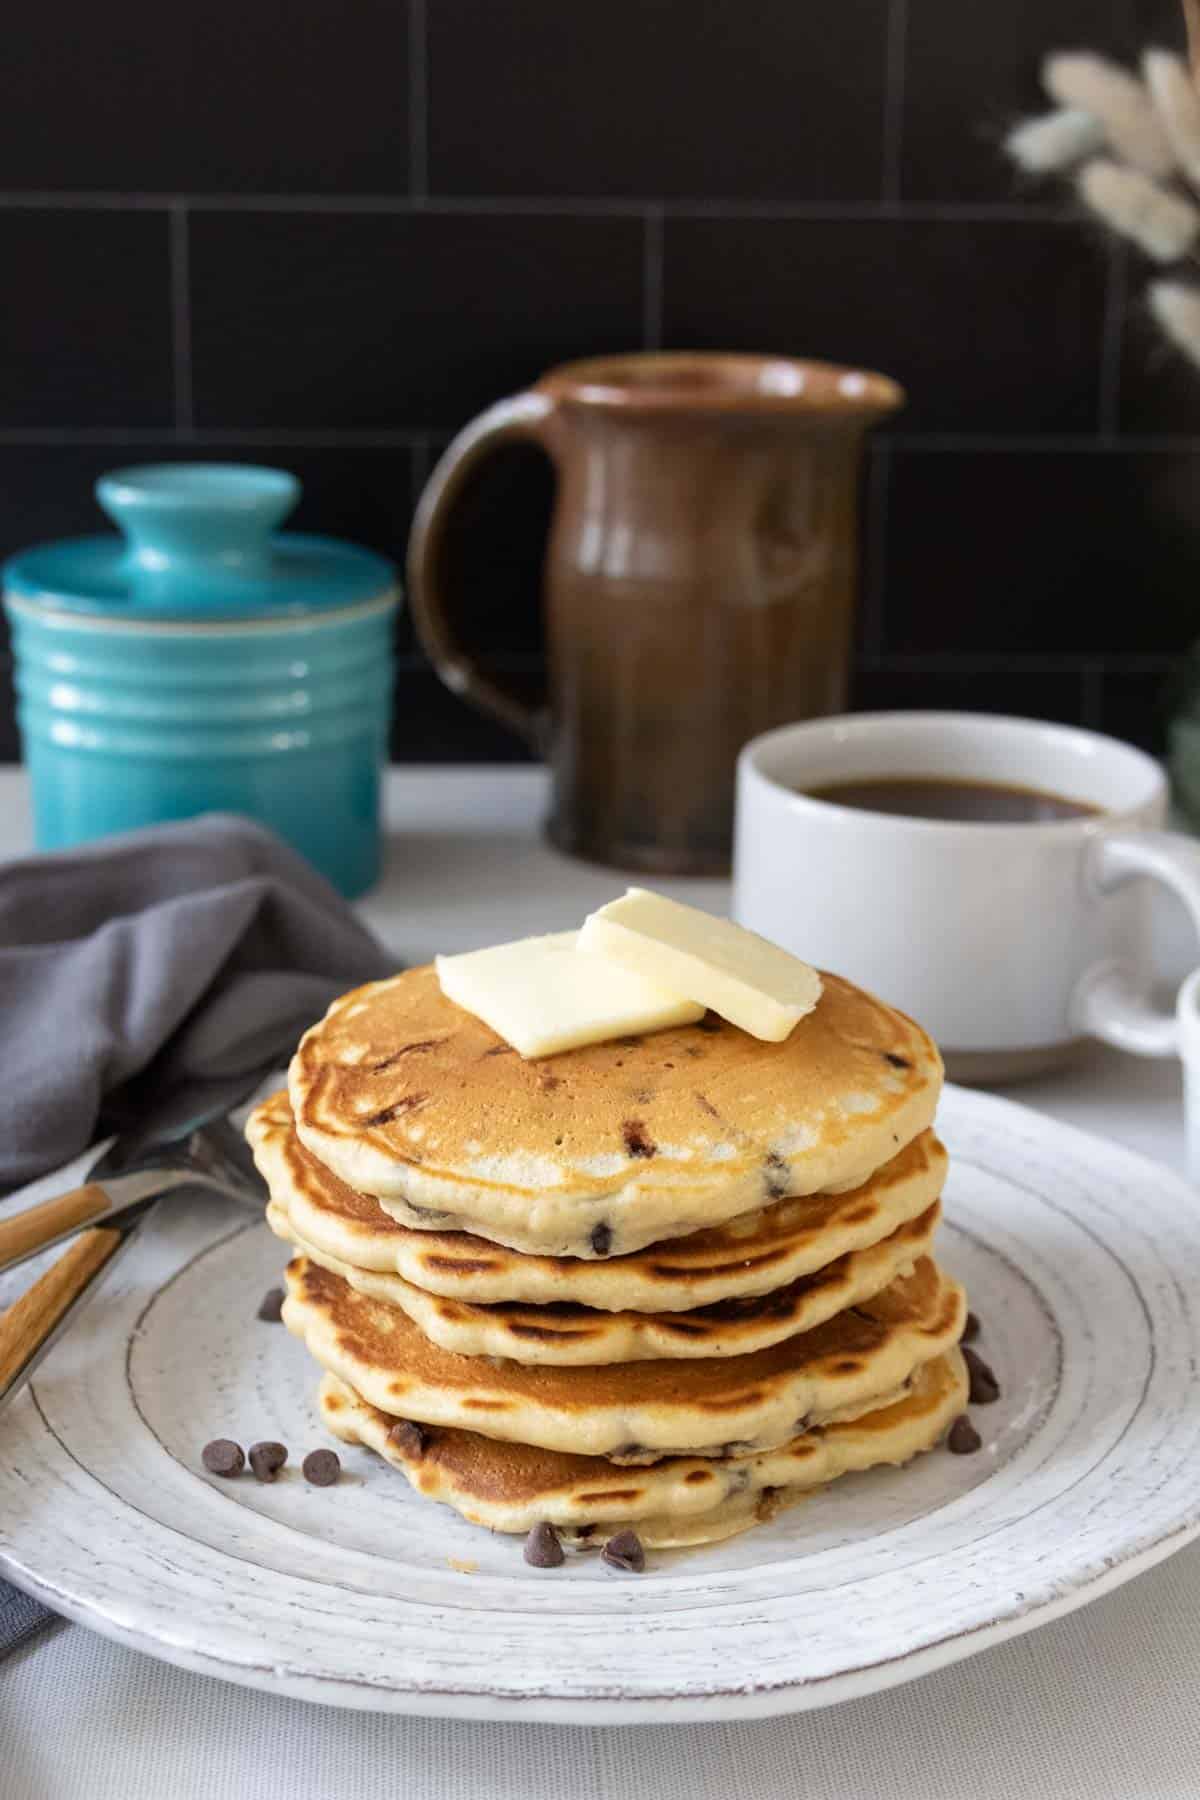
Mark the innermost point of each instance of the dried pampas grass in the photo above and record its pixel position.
(1130, 147)
(1178, 106)
(1176, 309)
(1161, 223)
(1054, 141)
(1117, 101)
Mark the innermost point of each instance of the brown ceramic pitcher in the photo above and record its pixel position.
(699, 582)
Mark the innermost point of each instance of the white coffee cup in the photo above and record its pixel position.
(1009, 942)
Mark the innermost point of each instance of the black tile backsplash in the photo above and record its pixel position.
(1006, 355)
(86, 338)
(373, 319)
(325, 242)
(710, 100)
(251, 98)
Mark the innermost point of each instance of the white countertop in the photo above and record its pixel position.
(1098, 1704)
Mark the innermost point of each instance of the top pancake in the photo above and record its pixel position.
(602, 1150)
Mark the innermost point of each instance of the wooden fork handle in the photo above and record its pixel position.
(29, 1321)
(27, 1231)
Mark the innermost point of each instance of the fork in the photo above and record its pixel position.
(129, 1178)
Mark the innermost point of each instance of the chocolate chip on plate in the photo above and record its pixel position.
(963, 1439)
(270, 1307)
(321, 1467)
(624, 1551)
(971, 1329)
(266, 1459)
(543, 1547)
(223, 1457)
(984, 1386)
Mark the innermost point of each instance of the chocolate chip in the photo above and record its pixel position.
(223, 1457)
(971, 1329)
(624, 1551)
(637, 1141)
(984, 1386)
(710, 1022)
(266, 1459)
(963, 1440)
(601, 1239)
(321, 1467)
(411, 1439)
(778, 1176)
(408, 1103)
(543, 1548)
(270, 1307)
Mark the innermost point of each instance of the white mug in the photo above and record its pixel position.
(1009, 942)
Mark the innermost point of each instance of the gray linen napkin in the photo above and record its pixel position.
(147, 978)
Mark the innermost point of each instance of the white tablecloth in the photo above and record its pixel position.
(1103, 1705)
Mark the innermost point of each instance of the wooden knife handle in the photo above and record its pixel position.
(27, 1231)
(30, 1320)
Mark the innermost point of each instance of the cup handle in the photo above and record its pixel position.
(1111, 1001)
(519, 418)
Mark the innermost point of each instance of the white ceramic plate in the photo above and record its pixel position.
(1081, 1259)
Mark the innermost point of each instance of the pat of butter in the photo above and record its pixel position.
(749, 981)
(541, 997)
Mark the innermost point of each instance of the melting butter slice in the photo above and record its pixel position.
(749, 981)
(541, 997)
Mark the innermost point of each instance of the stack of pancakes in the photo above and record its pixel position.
(666, 1283)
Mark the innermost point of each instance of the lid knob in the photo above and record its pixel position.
(196, 530)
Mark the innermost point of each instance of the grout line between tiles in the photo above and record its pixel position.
(1111, 336)
(652, 279)
(1015, 663)
(555, 205)
(410, 437)
(878, 484)
(418, 103)
(181, 320)
(1092, 698)
(894, 72)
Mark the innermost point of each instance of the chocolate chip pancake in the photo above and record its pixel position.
(565, 1334)
(631, 1412)
(602, 1150)
(748, 1255)
(510, 1487)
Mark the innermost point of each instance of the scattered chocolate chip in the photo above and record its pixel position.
(410, 1438)
(710, 1022)
(897, 1062)
(601, 1239)
(543, 1547)
(266, 1459)
(223, 1457)
(321, 1467)
(624, 1551)
(963, 1440)
(971, 1329)
(270, 1307)
(637, 1142)
(984, 1386)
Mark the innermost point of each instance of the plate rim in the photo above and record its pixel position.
(741, 1701)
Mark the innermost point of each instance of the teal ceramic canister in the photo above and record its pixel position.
(205, 661)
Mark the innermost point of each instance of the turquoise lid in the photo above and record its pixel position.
(199, 541)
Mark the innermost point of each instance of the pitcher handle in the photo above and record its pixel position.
(522, 417)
